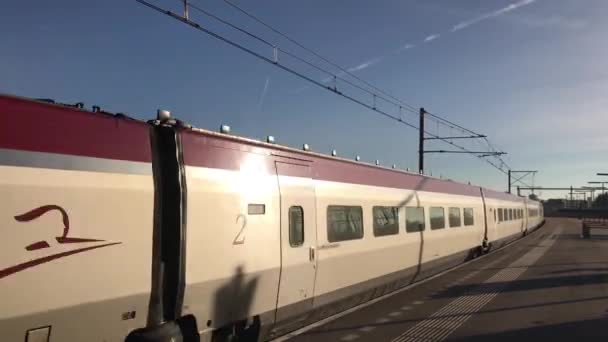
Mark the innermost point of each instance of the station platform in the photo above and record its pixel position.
(550, 285)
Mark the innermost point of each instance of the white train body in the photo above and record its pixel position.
(221, 234)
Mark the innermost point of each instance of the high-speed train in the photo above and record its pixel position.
(116, 229)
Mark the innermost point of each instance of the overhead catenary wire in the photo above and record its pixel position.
(316, 54)
(299, 74)
(292, 55)
(268, 60)
(438, 119)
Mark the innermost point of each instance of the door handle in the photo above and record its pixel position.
(311, 253)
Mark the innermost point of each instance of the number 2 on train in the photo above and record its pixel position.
(239, 239)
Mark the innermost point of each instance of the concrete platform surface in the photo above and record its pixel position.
(551, 285)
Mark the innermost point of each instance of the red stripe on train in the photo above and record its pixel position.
(42, 127)
(204, 150)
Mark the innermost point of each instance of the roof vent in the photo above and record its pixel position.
(394, 166)
(377, 162)
(96, 109)
(163, 114)
(305, 147)
(270, 139)
(357, 158)
(46, 100)
(407, 169)
(334, 153)
(225, 129)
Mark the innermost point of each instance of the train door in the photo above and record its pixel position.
(525, 215)
(520, 220)
(489, 221)
(298, 240)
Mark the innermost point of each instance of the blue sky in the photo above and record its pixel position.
(530, 74)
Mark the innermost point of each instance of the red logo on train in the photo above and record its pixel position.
(64, 238)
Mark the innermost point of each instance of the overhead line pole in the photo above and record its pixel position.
(602, 183)
(421, 142)
(525, 172)
(422, 138)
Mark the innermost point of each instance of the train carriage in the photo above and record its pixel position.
(117, 228)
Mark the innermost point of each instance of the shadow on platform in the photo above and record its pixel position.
(524, 285)
(593, 237)
(585, 330)
(414, 320)
(575, 270)
(604, 262)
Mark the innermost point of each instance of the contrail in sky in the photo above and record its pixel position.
(461, 25)
(494, 14)
(366, 64)
(264, 91)
(457, 27)
(431, 37)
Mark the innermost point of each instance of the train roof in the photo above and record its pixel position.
(330, 167)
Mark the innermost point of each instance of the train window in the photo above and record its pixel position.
(500, 217)
(510, 214)
(296, 226)
(454, 217)
(437, 218)
(386, 221)
(344, 223)
(468, 216)
(494, 215)
(414, 219)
